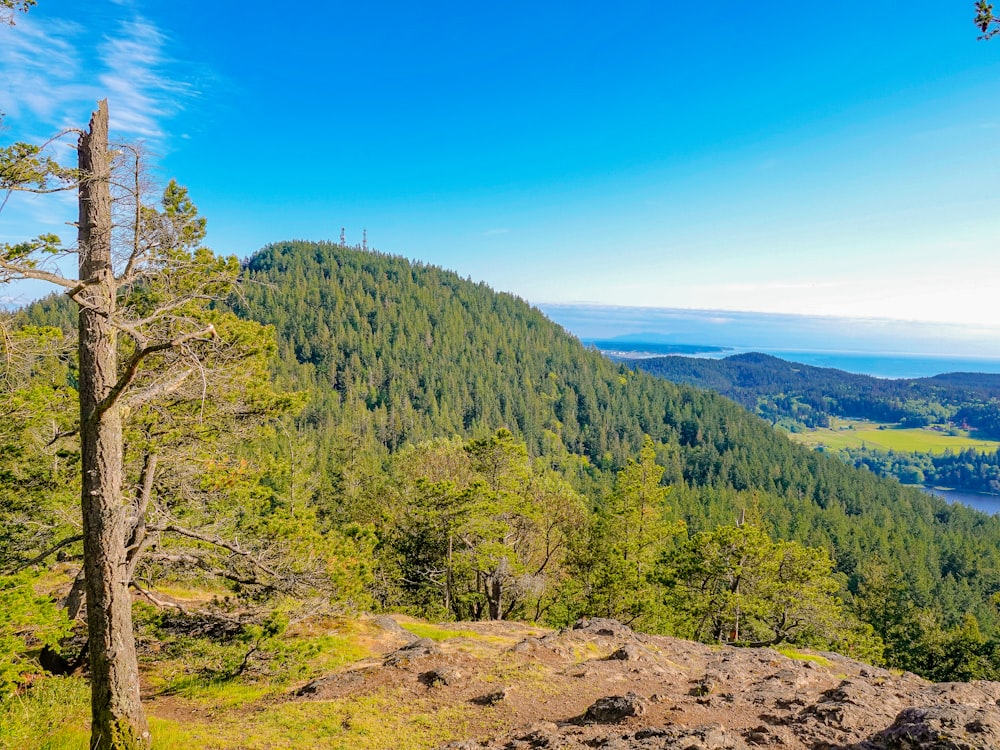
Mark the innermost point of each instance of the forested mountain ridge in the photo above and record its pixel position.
(407, 351)
(402, 461)
(777, 388)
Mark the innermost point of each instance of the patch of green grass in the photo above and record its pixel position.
(370, 722)
(53, 714)
(854, 433)
(207, 672)
(218, 691)
(794, 653)
(586, 651)
(514, 671)
(436, 632)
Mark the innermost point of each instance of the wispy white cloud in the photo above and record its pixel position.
(495, 232)
(137, 80)
(41, 67)
(54, 72)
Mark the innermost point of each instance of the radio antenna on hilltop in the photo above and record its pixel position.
(343, 237)
(364, 239)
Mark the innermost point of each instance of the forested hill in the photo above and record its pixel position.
(405, 351)
(397, 352)
(399, 457)
(778, 388)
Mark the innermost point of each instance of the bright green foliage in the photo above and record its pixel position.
(482, 531)
(396, 463)
(915, 637)
(195, 389)
(962, 652)
(25, 166)
(735, 585)
(628, 534)
(37, 478)
(48, 244)
(52, 715)
(395, 354)
(987, 23)
(27, 622)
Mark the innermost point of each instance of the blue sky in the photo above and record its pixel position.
(763, 156)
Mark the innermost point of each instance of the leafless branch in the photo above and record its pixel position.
(19, 271)
(186, 558)
(155, 601)
(60, 435)
(47, 553)
(218, 542)
(162, 388)
(132, 368)
(138, 539)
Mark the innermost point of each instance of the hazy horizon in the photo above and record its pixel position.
(774, 331)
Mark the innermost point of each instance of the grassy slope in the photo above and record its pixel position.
(853, 433)
(190, 707)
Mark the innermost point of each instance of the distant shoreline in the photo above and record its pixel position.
(881, 348)
(620, 349)
(877, 365)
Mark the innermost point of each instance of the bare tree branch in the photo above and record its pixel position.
(132, 368)
(186, 558)
(155, 601)
(162, 388)
(50, 551)
(19, 271)
(218, 542)
(60, 435)
(138, 539)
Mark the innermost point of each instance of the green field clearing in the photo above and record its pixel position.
(852, 433)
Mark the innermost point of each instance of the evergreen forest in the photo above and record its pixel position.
(391, 437)
(801, 397)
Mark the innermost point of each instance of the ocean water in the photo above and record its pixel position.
(882, 348)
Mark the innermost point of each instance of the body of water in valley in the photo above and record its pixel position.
(986, 503)
(882, 349)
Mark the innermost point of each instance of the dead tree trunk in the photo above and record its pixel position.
(118, 720)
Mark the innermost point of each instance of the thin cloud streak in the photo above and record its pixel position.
(135, 81)
(53, 73)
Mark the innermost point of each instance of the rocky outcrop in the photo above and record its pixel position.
(601, 685)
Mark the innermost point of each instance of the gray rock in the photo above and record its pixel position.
(440, 676)
(630, 652)
(614, 709)
(389, 625)
(544, 734)
(950, 727)
(420, 648)
(321, 686)
(491, 699)
(603, 626)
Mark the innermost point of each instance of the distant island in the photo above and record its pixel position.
(633, 346)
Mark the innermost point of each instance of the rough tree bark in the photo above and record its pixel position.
(117, 715)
